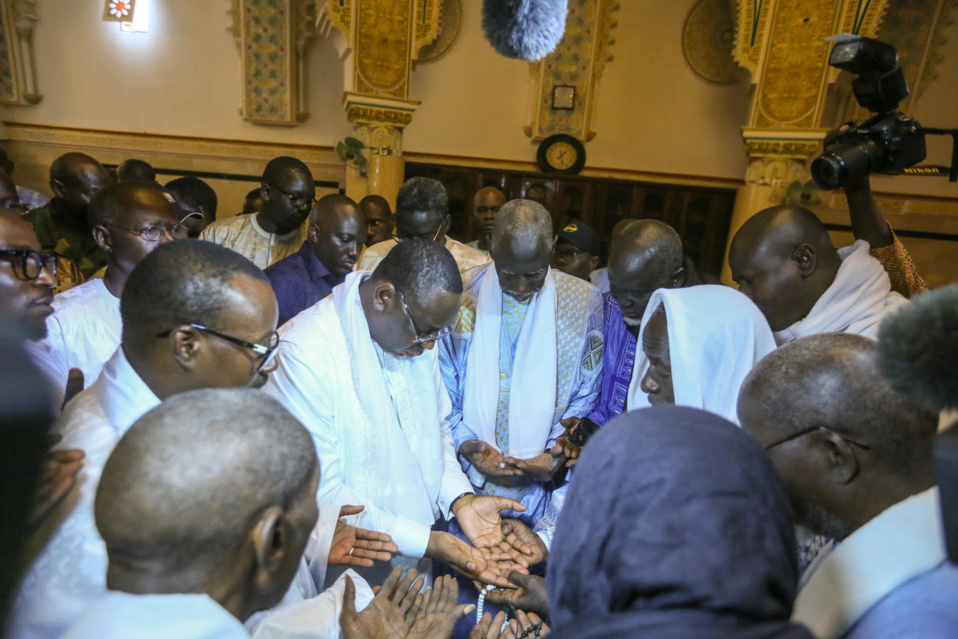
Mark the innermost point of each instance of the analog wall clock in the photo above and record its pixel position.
(560, 153)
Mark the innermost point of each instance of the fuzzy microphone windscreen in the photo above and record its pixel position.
(524, 29)
(918, 349)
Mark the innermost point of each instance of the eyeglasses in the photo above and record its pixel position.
(266, 352)
(421, 341)
(27, 264)
(155, 233)
(812, 429)
(434, 237)
(296, 200)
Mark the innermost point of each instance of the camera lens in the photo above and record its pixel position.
(846, 162)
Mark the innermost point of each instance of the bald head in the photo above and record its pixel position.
(135, 170)
(875, 437)
(337, 232)
(646, 256)
(783, 258)
(183, 494)
(521, 247)
(74, 179)
(620, 226)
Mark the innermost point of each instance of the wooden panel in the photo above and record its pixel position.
(700, 215)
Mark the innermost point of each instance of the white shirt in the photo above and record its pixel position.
(466, 257)
(904, 541)
(378, 421)
(243, 234)
(855, 303)
(121, 615)
(33, 199)
(600, 279)
(70, 572)
(83, 332)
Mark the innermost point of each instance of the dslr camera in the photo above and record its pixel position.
(887, 143)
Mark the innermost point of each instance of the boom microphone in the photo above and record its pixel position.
(524, 29)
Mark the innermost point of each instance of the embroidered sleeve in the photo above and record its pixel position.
(897, 262)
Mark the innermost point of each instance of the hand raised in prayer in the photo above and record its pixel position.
(564, 446)
(481, 565)
(359, 547)
(525, 626)
(488, 627)
(438, 611)
(385, 616)
(57, 478)
(487, 460)
(541, 467)
(518, 538)
(479, 517)
(530, 594)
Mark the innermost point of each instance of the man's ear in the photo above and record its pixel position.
(841, 463)
(57, 187)
(594, 262)
(271, 538)
(677, 278)
(264, 191)
(805, 257)
(383, 296)
(313, 233)
(186, 345)
(101, 235)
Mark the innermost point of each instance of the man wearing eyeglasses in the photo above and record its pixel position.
(857, 461)
(185, 284)
(360, 371)
(62, 225)
(422, 211)
(129, 219)
(524, 354)
(279, 229)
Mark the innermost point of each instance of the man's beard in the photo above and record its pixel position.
(631, 322)
(817, 519)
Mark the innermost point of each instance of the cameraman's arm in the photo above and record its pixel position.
(869, 224)
(867, 221)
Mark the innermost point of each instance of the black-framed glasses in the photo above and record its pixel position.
(812, 429)
(27, 264)
(155, 233)
(421, 341)
(296, 200)
(266, 352)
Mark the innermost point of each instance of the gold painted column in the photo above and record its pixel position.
(782, 43)
(378, 41)
(378, 123)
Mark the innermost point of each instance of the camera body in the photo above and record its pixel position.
(887, 143)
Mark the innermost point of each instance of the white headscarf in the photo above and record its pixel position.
(716, 336)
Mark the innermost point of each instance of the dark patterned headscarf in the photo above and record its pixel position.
(676, 525)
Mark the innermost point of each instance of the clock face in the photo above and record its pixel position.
(560, 153)
(561, 156)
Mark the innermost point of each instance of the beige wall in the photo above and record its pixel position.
(655, 120)
(183, 78)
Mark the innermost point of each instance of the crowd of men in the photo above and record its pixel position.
(325, 418)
